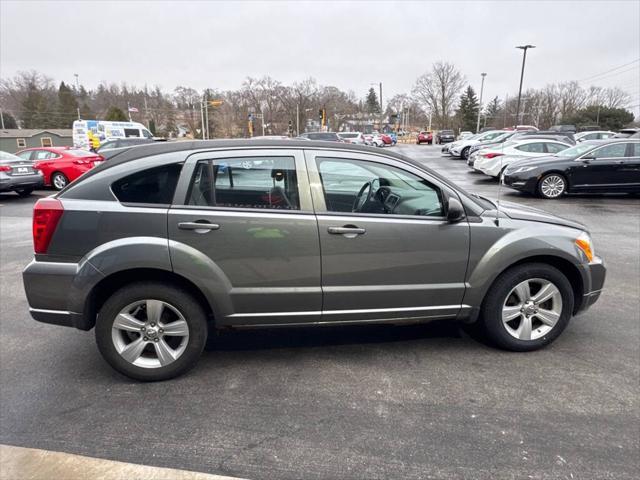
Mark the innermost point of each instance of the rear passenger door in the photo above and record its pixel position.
(248, 216)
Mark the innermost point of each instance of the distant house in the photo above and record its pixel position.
(12, 140)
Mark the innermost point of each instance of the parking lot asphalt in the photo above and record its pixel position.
(348, 402)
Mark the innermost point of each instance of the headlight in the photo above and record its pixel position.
(584, 243)
(522, 169)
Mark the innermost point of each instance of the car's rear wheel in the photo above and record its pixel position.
(59, 180)
(151, 331)
(527, 307)
(552, 185)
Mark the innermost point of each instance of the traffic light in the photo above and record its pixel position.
(290, 127)
(320, 115)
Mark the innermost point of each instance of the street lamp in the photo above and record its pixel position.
(480, 107)
(381, 112)
(524, 48)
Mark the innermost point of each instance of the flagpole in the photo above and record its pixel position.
(129, 111)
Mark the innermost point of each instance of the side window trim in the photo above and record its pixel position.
(192, 159)
(317, 190)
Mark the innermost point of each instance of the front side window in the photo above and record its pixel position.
(246, 182)
(358, 186)
(46, 142)
(616, 150)
(147, 134)
(152, 186)
(555, 147)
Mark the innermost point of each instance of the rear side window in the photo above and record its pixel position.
(152, 186)
(249, 182)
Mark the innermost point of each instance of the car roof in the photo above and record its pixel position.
(123, 155)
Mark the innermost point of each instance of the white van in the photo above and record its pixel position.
(103, 130)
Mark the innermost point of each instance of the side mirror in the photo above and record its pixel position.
(455, 210)
(587, 158)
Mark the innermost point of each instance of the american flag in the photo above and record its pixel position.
(133, 109)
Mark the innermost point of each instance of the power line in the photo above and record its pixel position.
(610, 70)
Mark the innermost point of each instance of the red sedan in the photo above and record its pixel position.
(60, 165)
(424, 137)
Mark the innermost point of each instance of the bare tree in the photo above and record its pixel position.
(438, 91)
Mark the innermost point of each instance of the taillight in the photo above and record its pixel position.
(5, 168)
(492, 155)
(46, 214)
(82, 162)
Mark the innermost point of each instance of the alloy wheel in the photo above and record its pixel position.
(552, 186)
(150, 333)
(532, 309)
(59, 181)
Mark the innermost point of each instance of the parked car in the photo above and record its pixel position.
(373, 139)
(495, 142)
(594, 135)
(18, 175)
(386, 138)
(352, 137)
(464, 134)
(60, 165)
(123, 142)
(626, 132)
(159, 249)
(596, 166)
(424, 137)
(445, 136)
(324, 136)
(493, 161)
(560, 136)
(461, 148)
(563, 128)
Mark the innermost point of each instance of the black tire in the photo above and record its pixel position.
(543, 192)
(491, 313)
(184, 302)
(59, 180)
(24, 192)
(464, 154)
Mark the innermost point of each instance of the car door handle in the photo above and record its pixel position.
(204, 226)
(619, 162)
(346, 230)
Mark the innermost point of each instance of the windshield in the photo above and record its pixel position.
(575, 151)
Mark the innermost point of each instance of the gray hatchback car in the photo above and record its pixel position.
(161, 243)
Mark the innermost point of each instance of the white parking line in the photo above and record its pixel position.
(17, 463)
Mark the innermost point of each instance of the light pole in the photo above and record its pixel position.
(77, 92)
(480, 107)
(524, 48)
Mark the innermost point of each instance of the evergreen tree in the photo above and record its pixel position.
(373, 106)
(493, 108)
(8, 121)
(468, 110)
(608, 118)
(116, 115)
(67, 107)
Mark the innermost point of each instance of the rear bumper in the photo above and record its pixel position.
(54, 293)
(13, 182)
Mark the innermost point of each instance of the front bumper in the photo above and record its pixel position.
(519, 182)
(597, 272)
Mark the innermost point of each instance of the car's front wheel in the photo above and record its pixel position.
(552, 185)
(465, 153)
(527, 307)
(24, 192)
(151, 331)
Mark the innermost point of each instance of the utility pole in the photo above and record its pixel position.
(262, 117)
(202, 116)
(524, 48)
(597, 115)
(297, 119)
(480, 107)
(504, 110)
(1, 119)
(146, 109)
(206, 115)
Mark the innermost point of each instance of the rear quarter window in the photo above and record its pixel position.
(154, 186)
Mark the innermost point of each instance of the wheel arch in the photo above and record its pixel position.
(102, 290)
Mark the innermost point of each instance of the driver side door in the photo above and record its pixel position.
(402, 260)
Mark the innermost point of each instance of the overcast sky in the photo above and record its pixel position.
(349, 45)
